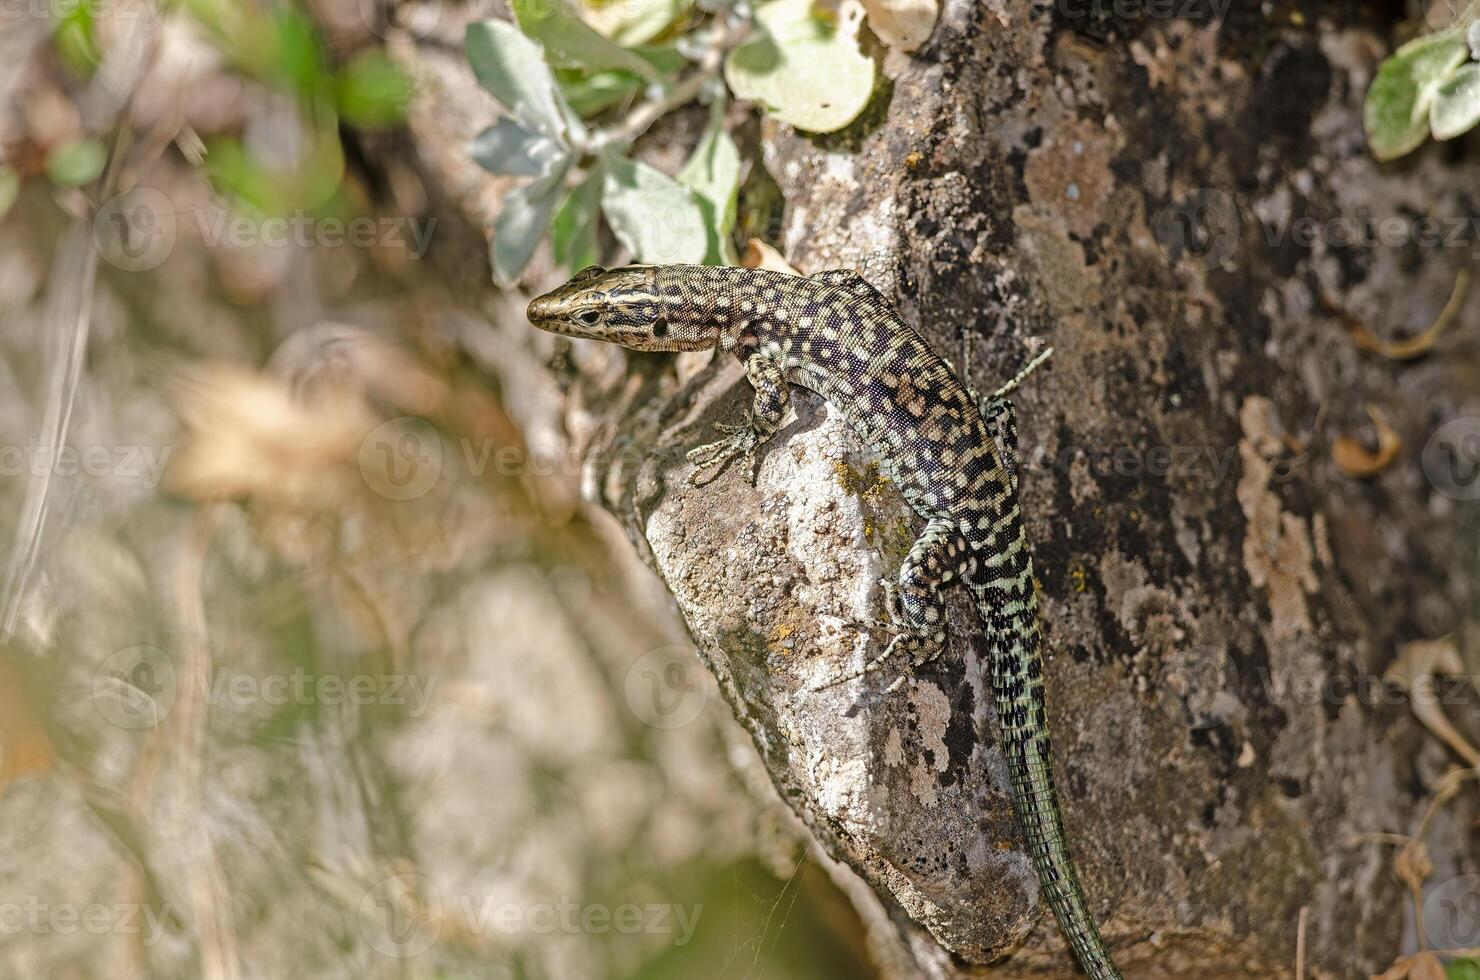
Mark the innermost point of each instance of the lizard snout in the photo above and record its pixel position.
(540, 310)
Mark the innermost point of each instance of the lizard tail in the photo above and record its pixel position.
(1008, 606)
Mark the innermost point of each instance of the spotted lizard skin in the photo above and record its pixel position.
(835, 334)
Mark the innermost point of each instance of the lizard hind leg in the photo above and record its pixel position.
(1001, 419)
(915, 604)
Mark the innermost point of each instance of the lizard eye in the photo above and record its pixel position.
(589, 317)
(660, 327)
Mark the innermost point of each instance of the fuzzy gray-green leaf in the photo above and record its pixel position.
(1396, 113)
(570, 43)
(713, 173)
(652, 214)
(509, 150)
(513, 69)
(523, 221)
(574, 233)
(1456, 107)
(806, 69)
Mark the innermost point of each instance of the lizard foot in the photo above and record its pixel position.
(740, 441)
(921, 647)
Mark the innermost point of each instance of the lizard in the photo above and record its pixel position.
(951, 454)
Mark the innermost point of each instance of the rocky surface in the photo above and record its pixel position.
(1218, 595)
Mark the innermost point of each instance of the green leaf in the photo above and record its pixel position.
(76, 163)
(570, 43)
(523, 221)
(1462, 969)
(10, 189)
(76, 36)
(805, 69)
(310, 183)
(1456, 107)
(512, 68)
(373, 90)
(509, 150)
(297, 60)
(1396, 111)
(574, 234)
(633, 22)
(589, 94)
(236, 174)
(713, 173)
(652, 214)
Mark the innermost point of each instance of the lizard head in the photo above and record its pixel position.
(620, 306)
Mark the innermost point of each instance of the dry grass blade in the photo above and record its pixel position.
(68, 317)
(1414, 670)
(1300, 942)
(1407, 350)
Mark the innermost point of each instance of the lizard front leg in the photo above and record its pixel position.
(767, 410)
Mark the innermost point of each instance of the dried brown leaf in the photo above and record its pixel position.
(1414, 670)
(1426, 966)
(1353, 459)
(25, 747)
(1412, 864)
(1422, 659)
(247, 437)
(759, 255)
(902, 24)
(1421, 966)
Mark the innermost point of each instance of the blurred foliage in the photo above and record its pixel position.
(280, 47)
(765, 928)
(558, 67)
(257, 377)
(76, 162)
(10, 185)
(76, 35)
